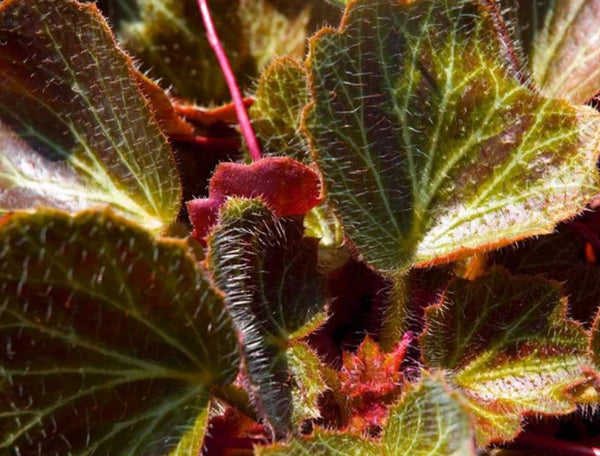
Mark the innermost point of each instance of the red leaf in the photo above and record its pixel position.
(371, 380)
(286, 186)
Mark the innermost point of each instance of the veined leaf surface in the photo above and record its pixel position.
(508, 347)
(429, 146)
(281, 95)
(71, 95)
(429, 420)
(565, 51)
(110, 338)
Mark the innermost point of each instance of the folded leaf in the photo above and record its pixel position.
(286, 186)
(71, 94)
(508, 347)
(111, 338)
(429, 420)
(274, 293)
(565, 53)
(429, 147)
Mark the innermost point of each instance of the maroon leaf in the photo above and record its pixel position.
(286, 186)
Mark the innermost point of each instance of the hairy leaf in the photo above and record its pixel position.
(308, 384)
(267, 270)
(282, 94)
(273, 30)
(111, 338)
(71, 95)
(429, 147)
(370, 381)
(508, 348)
(286, 186)
(565, 55)
(568, 256)
(429, 420)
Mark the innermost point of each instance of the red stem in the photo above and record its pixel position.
(236, 96)
(558, 446)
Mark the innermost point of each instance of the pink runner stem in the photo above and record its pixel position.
(236, 96)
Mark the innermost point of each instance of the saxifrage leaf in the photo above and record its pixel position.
(565, 51)
(429, 420)
(286, 186)
(566, 256)
(111, 338)
(274, 293)
(71, 94)
(281, 95)
(508, 348)
(429, 146)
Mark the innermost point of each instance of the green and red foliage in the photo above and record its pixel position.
(397, 254)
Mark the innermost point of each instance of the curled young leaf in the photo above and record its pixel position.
(286, 186)
(268, 272)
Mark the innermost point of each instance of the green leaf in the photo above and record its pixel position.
(565, 53)
(267, 270)
(281, 95)
(560, 257)
(111, 337)
(429, 420)
(88, 136)
(508, 348)
(429, 147)
(308, 385)
(273, 30)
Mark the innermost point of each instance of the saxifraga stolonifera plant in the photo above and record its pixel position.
(387, 247)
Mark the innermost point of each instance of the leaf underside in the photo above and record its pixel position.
(429, 147)
(508, 347)
(88, 137)
(267, 270)
(107, 349)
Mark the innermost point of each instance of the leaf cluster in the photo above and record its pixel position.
(410, 268)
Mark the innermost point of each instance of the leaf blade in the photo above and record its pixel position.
(99, 319)
(408, 126)
(72, 95)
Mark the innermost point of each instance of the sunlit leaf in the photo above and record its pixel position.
(281, 95)
(429, 420)
(429, 147)
(565, 52)
(308, 383)
(267, 270)
(508, 347)
(71, 95)
(110, 337)
(273, 30)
